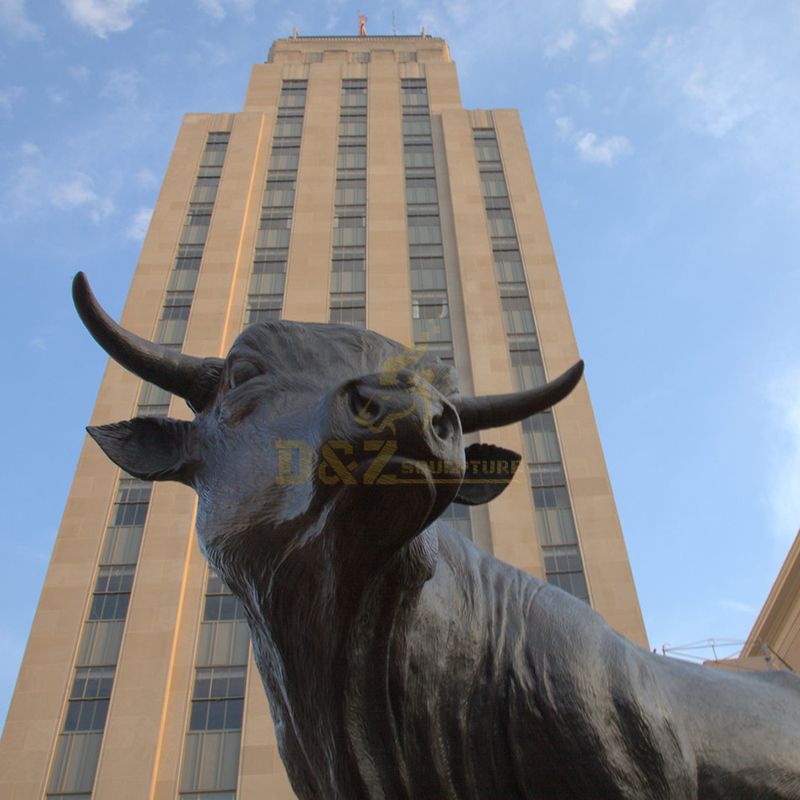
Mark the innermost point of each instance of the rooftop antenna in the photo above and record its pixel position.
(394, 25)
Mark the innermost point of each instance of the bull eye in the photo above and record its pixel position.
(241, 372)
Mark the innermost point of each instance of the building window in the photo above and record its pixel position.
(457, 515)
(218, 699)
(418, 158)
(221, 605)
(517, 315)
(352, 157)
(348, 309)
(352, 127)
(351, 192)
(416, 128)
(527, 368)
(508, 264)
(354, 94)
(88, 701)
(564, 569)
(424, 230)
(211, 752)
(74, 766)
(153, 401)
(111, 593)
(288, 128)
(292, 97)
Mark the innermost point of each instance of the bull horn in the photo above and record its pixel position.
(495, 410)
(194, 379)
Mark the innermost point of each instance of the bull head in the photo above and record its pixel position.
(303, 417)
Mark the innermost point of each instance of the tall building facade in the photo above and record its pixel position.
(352, 187)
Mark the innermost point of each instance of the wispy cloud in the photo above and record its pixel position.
(139, 222)
(102, 17)
(122, 85)
(146, 178)
(561, 44)
(736, 605)
(606, 14)
(79, 72)
(784, 403)
(14, 20)
(219, 9)
(591, 147)
(37, 344)
(209, 55)
(733, 77)
(57, 97)
(78, 191)
(7, 99)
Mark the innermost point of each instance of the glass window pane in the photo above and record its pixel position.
(457, 516)
(75, 763)
(100, 643)
(210, 762)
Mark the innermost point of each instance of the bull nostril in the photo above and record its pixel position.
(365, 407)
(442, 427)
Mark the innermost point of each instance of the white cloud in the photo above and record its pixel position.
(102, 17)
(7, 99)
(737, 605)
(562, 43)
(589, 146)
(565, 127)
(219, 9)
(79, 72)
(606, 14)
(784, 397)
(14, 20)
(146, 178)
(56, 96)
(720, 105)
(592, 148)
(29, 149)
(209, 55)
(37, 343)
(122, 85)
(137, 227)
(79, 192)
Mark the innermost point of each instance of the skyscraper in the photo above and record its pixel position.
(352, 187)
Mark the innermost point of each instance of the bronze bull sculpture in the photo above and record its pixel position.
(399, 660)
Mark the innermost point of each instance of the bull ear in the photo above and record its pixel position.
(489, 470)
(150, 448)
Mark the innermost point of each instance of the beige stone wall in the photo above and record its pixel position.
(778, 623)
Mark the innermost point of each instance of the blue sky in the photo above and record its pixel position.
(665, 141)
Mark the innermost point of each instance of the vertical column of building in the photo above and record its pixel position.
(183, 278)
(430, 308)
(348, 272)
(268, 278)
(78, 747)
(555, 522)
(210, 767)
